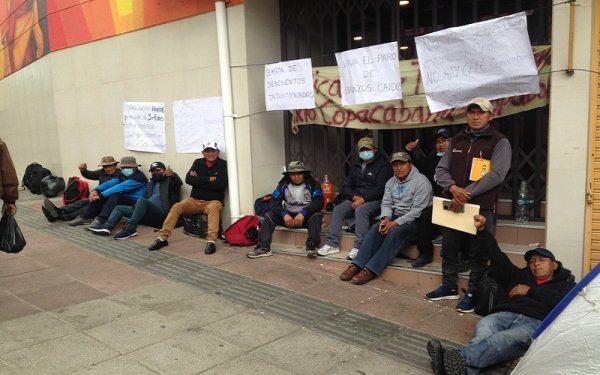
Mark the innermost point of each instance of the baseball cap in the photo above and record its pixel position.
(157, 165)
(540, 251)
(106, 161)
(443, 132)
(366, 142)
(400, 156)
(210, 144)
(482, 103)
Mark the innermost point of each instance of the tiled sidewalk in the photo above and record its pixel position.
(68, 309)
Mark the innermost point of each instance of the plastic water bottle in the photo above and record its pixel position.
(522, 212)
(327, 188)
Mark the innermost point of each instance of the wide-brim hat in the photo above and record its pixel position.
(129, 162)
(296, 167)
(106, 161)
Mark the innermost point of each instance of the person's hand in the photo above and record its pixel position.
(461, 195)
(193, 174)
(518, 290)
(10, 207)
(82, 166)
(212, 179)
(386, 225)
(94, 196)
(288, 220)
(169, 172)
(357, 202)
(298, 220)
(411, 146)
(480, 221)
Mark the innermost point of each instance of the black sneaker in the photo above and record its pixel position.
(259, 252)
(97, 223)
(47, 214)
(454, 362)
(126, 233)
(80, 221)
(52, 210)
(436, 353)
(422, 260)
(158, 244)
(311, 250)
(103, 230)
(210, 248)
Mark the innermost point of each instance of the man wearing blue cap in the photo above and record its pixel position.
(504, 335)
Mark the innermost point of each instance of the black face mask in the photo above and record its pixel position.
(158, 177)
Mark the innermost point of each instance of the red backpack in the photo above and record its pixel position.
(244, 232)
(76, 190)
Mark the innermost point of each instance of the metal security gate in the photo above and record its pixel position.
(317, 29)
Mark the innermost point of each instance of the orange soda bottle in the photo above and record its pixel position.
(327, 188)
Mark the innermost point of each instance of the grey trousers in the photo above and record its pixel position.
(363, 216)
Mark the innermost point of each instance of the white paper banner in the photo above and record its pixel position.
(197, 121)
(370, 74)
(289, 85)
(144, 127)
(491, 59)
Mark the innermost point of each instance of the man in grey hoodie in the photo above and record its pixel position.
(406, 194)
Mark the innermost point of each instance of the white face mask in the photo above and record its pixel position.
(127, 172)
(440, 153)
(366, 155)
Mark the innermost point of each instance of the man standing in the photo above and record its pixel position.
(406, 195)
(505, 334)
(9, 182)
(362, 192)
(472, 171)
(208, 178)
(162, 192)
(303, 200)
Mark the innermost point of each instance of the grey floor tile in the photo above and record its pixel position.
(189, 353)
(251, 329)
(124, 364)
(130, 334)
(97, 312)
(369, 363)
(49, 357)
(247, 365)
(30, 330)
(159, 294)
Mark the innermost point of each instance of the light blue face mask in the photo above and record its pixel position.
(127, 171)
(366, 155)
(440, 153)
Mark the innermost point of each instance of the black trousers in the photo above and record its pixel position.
(312, 222)
(73, 210)
(103, 207)
(427, 232)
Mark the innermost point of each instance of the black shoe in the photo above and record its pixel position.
(210, 248)
(436, 353)
(454, 362)
(158, 244)
(48, 215)
(422, 260)
(51, 209)
(311, 250)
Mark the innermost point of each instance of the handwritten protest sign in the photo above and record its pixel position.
(490, 59)
(288, 85)
(144, 127)
(197, 121)
(369, 74)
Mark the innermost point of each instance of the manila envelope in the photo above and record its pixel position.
(462, 221)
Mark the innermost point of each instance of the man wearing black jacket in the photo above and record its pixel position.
(208, 178)
(297, 202)
(533, 291)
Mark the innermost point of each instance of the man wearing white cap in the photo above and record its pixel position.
(208, 179)
(471, 171)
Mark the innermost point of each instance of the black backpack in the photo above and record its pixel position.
(34, 173)
(490, 292)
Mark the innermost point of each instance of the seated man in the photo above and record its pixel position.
(303, 199)
(505, 334)
(71, 211)
(126, 188)
(362, 192)
(406, 194)
(208, 178)
(162, 192)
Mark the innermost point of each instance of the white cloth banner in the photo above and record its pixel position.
(370, 74)
(197, 121)
(491, 59)
(144, 127)
(289, 85)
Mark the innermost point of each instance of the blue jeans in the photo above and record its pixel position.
(499, 337)
(363, 215)
(377, 251)
(144, 212)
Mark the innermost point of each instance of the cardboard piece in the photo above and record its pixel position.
(462, 221)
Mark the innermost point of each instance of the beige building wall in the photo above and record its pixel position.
(66, 108)
(568, 136)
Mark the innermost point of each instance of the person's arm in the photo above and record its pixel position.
(91, 175)
(214, 179)
(550, 294)
(442, 171)
(387, 203)
(348, 185)
(421, 200)
(316, 204)
(500, 164)
(128, 185)
(276, 204)
(10, 181)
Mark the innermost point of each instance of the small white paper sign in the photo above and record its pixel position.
(370, 74)
(144, 126)
(197, 121)
(289, 85)
(491, 59)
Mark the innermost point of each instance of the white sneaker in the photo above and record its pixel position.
(353, 253)
(328, 250)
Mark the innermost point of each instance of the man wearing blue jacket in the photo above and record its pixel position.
(126, 188)
(406, 194)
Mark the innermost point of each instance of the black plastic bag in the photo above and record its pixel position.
(11, 238)
(52, 186)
